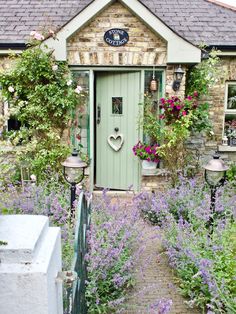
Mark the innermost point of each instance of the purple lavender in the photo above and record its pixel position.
(204, 262)
(110, 258)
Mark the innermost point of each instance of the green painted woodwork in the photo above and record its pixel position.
(75, 301)
(117, 169)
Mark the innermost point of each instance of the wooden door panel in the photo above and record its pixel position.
(117, 95)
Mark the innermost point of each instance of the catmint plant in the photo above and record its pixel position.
(202, 257)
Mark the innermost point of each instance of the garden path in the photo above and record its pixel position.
(154, 278)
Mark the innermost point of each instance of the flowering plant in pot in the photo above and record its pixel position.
(147, 152)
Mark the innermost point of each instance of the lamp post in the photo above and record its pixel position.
(73, 171)
(215, 175)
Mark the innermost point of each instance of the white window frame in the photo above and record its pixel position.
(228, 111)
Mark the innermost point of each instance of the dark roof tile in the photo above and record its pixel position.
(207, 22)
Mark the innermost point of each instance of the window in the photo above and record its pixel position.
(230, 110)
(79, 132)
(151, 103)
(117, 104)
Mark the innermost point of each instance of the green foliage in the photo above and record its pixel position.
(150, 123)
(231, 173)
(176, 121)
(9, 172)
(204, 75)
(177, 158)
(200, 119)
(3, 242)
(41, 95)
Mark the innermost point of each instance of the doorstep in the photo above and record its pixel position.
(153, 172)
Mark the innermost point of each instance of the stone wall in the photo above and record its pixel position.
(217, 94)
(216, 99)
(155, 183)
(170, 69)
(87, 46)
(5, 63)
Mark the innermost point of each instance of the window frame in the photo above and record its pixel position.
(226, 110)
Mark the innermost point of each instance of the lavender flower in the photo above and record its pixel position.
(204, 262)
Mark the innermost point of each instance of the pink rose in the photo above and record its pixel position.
(78, 89)
(36, 35)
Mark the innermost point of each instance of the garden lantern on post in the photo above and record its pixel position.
(215, 175)
(73, 171)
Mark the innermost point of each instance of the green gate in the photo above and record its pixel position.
(75, 292)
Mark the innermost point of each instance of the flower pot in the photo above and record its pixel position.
(148, 165)
(232, 141)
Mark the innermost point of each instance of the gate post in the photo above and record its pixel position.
(30, 262)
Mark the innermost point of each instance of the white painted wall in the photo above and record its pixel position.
(29, 266)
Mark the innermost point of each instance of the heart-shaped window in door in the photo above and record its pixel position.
(116, 141)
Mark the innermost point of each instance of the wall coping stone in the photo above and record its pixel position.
(223, 148)
(22, 233)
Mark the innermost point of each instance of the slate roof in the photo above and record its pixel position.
(199, 21)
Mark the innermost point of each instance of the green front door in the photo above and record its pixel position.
(117, 109)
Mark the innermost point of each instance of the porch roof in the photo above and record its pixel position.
(197, 21)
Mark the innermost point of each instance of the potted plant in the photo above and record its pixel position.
(232, 137)
(148, 154)
(230, 130)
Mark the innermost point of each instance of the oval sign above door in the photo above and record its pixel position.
(116, 37)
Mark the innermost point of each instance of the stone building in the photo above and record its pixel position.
(114, 48)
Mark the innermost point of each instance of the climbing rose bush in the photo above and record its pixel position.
(202, 255)
(42, 95)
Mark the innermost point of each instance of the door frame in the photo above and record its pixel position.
(92, 106)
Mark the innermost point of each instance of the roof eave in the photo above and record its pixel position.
(223, 47)
(12, 45)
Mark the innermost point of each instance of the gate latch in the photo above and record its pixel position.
(67, 277)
